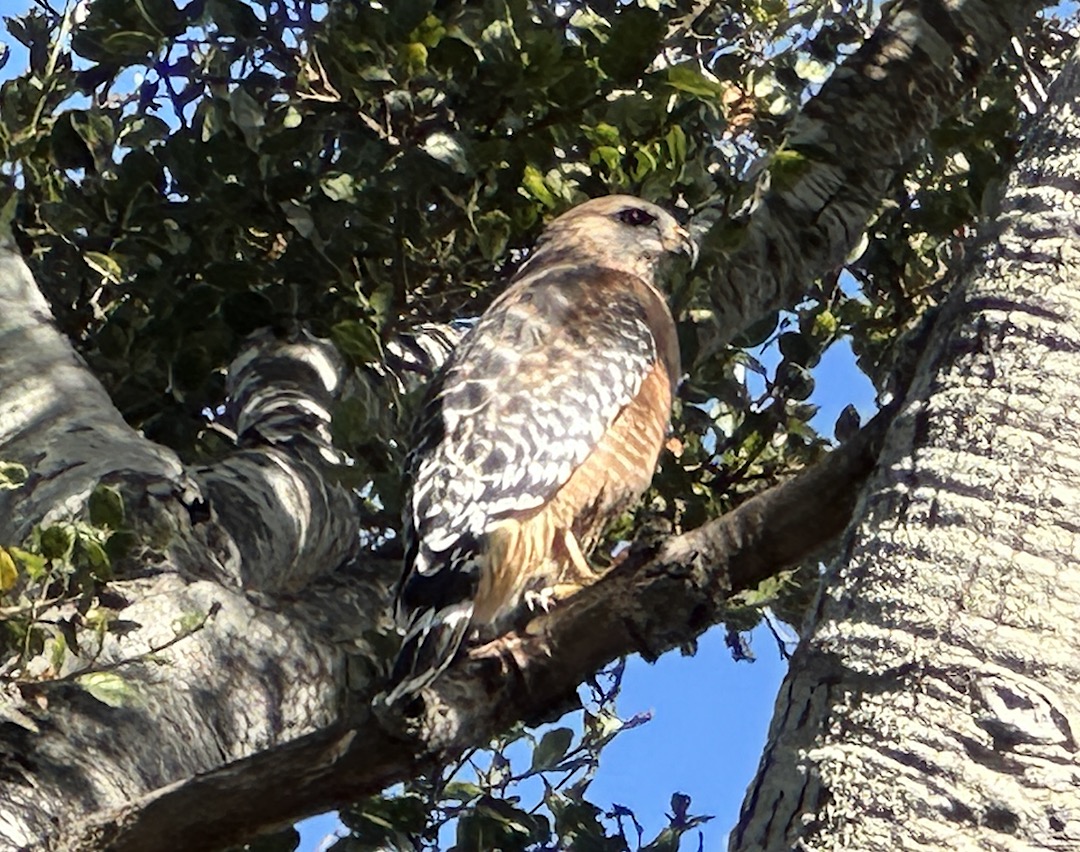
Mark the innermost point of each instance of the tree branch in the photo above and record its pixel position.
(279, 517)
(55, 418)
(650, 603)
(847, 144)
(926, 55)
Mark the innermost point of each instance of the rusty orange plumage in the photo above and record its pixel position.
(543, 426)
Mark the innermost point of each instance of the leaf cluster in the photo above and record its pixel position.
(527, 793)
(55, 606)
(62, 600)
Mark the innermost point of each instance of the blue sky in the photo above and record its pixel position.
(709, 714)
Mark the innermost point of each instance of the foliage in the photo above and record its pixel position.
(191, 171)
(59, 608)
(62, 568)
(483, 802)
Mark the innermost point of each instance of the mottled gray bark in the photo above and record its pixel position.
(216, 663)
(936, 703)
(260, 713)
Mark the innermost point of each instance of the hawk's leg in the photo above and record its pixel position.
(575, 575)
(541, 600)
(578, 571)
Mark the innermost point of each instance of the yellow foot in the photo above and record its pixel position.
(506, 651)
(546, 599)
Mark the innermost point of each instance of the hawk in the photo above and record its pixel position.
(544, 424)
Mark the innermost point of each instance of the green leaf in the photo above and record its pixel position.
(293, 118)
(33, 563)
(56, 648)
(9, 574)
(796, 381)
(689, 79)
(57, 542)
(588, 20)
(498, 824)
(603, 134)
(106, 507)
(825, 325)
(676, 142)
(162, 16)
(577, 824)
(552, 747)
(797, 348)
(605, 725)
(69, 150)
(104, 266)
(413, 57)
(129, 46)
(140, 130)
(299, 216)
(96, 557)
(493, 231)
(847, 424)
(12, 475)
(461, 791)
(108, 688)
(357, 340)
(248, 114)
(379, 821)
(535, 187)
(633, 43)
(609, 156)
(233, 18)
(339, 187)
(448, 149)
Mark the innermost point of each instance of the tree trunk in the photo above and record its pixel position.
(936, 702)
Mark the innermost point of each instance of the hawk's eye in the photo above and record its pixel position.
(635, 217)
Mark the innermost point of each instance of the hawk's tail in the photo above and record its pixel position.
(431, 643)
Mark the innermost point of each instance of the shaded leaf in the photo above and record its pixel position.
(56, 541)
(357, 340)
(847, 424)
(12, 475)
(551, 748)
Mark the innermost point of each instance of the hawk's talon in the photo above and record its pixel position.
(542, 601)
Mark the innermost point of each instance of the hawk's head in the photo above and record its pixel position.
(616, 231)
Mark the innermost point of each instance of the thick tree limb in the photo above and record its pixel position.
(279, 656)
(55, 418)
(649, 604)
(848, 143)
(280, 518)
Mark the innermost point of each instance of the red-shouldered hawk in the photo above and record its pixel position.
(545, 423)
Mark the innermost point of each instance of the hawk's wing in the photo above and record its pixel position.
(522, 402)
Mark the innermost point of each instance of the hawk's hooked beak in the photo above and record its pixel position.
(685, 243)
